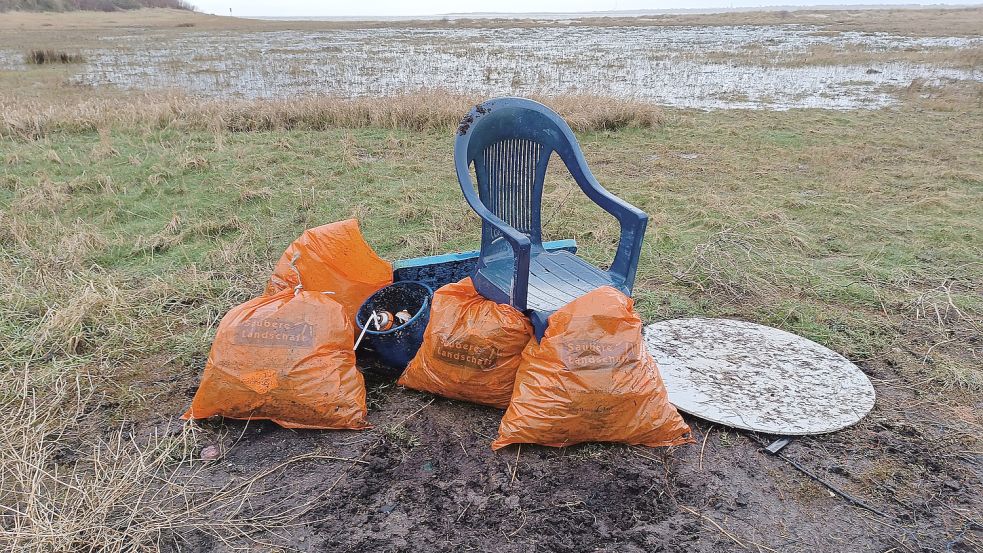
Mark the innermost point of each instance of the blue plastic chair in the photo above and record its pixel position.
(508, 142)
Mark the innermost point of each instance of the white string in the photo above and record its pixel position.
(374, 318)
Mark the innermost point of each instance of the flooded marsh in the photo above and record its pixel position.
(710, 67)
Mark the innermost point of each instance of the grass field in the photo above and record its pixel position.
(129, 225)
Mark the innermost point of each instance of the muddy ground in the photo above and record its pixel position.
(425, 479)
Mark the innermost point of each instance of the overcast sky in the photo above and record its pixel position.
(433, 7)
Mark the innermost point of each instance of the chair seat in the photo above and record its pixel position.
(555, 279)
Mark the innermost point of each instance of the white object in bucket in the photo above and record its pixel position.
(373, 319)
(403, 317)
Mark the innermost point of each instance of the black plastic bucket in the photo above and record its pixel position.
(397, 345)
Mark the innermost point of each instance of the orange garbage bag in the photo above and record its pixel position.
(471, 347)
(287, 358)
(591, 379)
(332, 258)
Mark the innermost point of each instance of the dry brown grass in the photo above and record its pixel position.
(41, 57)
(903, 21)
(855, 54)
(51, 21)
(116, 492)
(952, 97)
(415, 111)
(67, 482)
(970, 57)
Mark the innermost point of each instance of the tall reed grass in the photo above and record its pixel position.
(41, 57)
(425, 110)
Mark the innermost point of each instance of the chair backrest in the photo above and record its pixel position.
(508, 142)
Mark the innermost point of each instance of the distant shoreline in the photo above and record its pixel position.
(559, 16)
(908, 20)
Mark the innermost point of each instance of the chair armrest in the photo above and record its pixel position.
(633, 221)
(518, 241)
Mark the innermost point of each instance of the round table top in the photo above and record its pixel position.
(756, 377)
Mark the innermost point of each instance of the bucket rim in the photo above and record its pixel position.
(417, 315)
